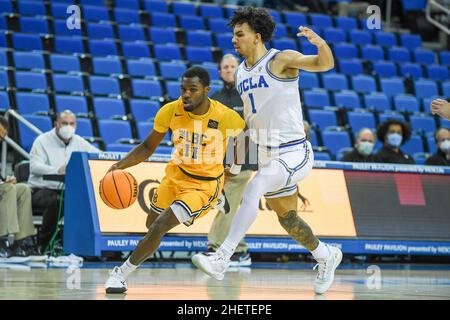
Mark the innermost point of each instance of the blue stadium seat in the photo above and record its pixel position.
(347, 100)
(359, 120)
(383, 117)
(350, 67)
(107, 108)
(425, 88)
(323, 118)
(106, 65)
(199, 54)
(191, 23)
(399, 54)
(28, 60)
(97, 3)
(385, 69)
(3, 42)
(421, 157)
(316, 98)
(346, 23)
(211, 11)
(444, 123)
(143, 110)
(27, 136)
(113, 130)
(126, 16)
(322, 156)
(363, 83)
(426, 103)
(224, 40)
(67, 83)
(162, 19)
(6, 6)
(334, 35)
(141, 68)
(276, 16)
(131, 33)
(444, 57)
(321, 20)
(424, 56)
(100, 30)
(183, 8)
(4, 101)
(392, 86)
(406, 102)
(199, 38)
(128, 4)
(30, 80)
(146, 88)
(423, 123)
(26, 41)
(3, 24)
(33, 25)
(173, 89)
(3, 58)
(335, 81)
(103, 47)
(162, 35)
(372, 53)
(341, 153)
(377, 101)
(32, 8)
(94, 13)
(413, 70)
(336, 140)
(218, 25)
(76, 104)
(69, 45)
(30, 103)
(143, 129)
(64, 63)
(167, 52)
(360, 37)
(345, 51)
(172, 70)
(119, 147)
(413, 145)
(60, 27)
(104, 85)
(410, 41)
(313, 138)
(295, 20)
(214, 88)
(281, 31)
(385, 39)
(59, 10)
(164, 150)
(136, 49)
(156, 6)
(284, 44)
(438, 72)
(3, 79)
(308, 80)
(213, 70)
(84, 127)
(446, 88)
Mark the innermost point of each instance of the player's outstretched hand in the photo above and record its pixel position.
(312, 37)
(440, 107)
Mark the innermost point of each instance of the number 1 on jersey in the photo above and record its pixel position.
(253, 102)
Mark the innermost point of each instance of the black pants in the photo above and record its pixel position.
(47, 201)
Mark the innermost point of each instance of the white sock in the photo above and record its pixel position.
(227, 248)
(127, 268)
(321, 252)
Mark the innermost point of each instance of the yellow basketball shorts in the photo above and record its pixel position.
(178, 190)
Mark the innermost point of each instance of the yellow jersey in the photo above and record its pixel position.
(200, 140)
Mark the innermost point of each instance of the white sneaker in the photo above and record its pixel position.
(325, 276)
(213, 264)
(116, 282)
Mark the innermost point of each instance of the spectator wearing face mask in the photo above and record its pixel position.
(50, 154)
(442, 155)
(393, 134)
(362, 151)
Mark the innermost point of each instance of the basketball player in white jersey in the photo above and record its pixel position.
(267, 81)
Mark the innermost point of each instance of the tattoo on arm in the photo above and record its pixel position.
(299, 230)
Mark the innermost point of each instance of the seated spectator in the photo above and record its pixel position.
(50, 154)
(362, 151)
(442, 155)
(393, 134)
(16, 216)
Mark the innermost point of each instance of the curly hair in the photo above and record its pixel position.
(259, 20)
(384, 127)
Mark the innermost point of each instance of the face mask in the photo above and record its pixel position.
(394, 139)
(365, 148)
(67, 132)
(445, 146)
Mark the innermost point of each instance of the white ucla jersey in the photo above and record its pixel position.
(272, 106)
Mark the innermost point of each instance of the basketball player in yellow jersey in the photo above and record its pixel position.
(195, 175)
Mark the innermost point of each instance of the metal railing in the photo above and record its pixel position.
(433, 4)
(8, 141)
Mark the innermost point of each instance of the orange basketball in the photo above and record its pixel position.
(118, 189)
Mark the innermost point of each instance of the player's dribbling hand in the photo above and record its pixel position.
(113, 167)
(310, 35)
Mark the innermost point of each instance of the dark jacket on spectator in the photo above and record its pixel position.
(355, 156)
(387, 155)
(438, 159)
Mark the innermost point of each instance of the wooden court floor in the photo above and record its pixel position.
(293, 281)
